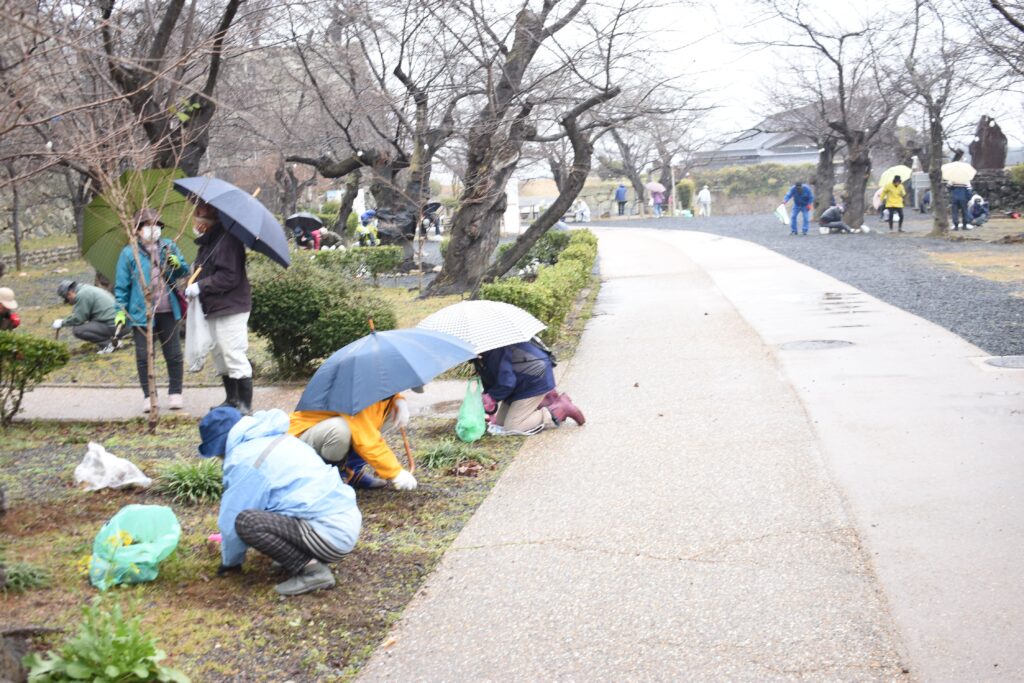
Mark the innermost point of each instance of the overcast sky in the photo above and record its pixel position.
(737, 77)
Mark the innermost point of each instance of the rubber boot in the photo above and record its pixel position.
(244, 395)
(230, 392)
(564, 408)
(549, 398)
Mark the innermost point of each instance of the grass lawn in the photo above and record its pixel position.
(234, 628)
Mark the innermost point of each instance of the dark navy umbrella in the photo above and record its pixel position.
(241, 214)
(380, 365)
(303, 220)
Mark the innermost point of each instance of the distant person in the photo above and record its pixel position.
(926, 202)
(366, 230)
(8, 305)
(803, 200)
(582, 213)
(620, 198)
(959, 196)
(704, 201)
(657, 199)
(832, 218)
(162, 265)
(893, 195)
(93, 310)
(222, 286)
(978, 211)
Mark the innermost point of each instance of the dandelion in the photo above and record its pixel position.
(83, 564)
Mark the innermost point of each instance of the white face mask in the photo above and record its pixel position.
(197, 231)
(150, 233)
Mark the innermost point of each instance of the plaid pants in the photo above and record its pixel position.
(289, 540)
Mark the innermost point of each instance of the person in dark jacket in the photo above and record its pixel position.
(520, 386)
(8, 305)
(92, 314)
(620, 198)
(162, 265)
(223, 289)
(978, 211)
(832, 218)
(960, 195)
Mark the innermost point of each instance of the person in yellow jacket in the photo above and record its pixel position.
(892, 200)
(355, 443)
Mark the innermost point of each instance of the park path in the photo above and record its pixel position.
(690, 531)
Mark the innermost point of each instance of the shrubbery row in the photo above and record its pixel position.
(550, 296)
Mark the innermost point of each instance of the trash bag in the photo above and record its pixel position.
(198, 341)
(472, 422)
(782, 214)
(130, 546)
(101, 469)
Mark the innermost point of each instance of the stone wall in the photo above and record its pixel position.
(42, 257)
(1001, 193)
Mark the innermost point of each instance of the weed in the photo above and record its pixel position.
(191, 481)
(449, 453)
(21, 577)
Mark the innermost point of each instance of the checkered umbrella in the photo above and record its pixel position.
(484, 325)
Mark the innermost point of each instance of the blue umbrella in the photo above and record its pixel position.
(380, 365)
(241, 214)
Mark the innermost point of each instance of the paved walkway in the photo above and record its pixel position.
(737, 509)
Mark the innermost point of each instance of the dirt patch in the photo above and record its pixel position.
(1004, 264)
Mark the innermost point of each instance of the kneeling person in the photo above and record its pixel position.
(832, 218)
(279, 498)
(355, 443)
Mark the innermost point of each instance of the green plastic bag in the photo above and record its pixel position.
(472, 421)
(130, 546)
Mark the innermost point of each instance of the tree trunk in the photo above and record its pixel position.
(347, 200)
(825, 176)
(858, 169)
(15, 215)
(940, 200)
(632, 172)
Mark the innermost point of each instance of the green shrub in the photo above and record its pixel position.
(21, 577)
(544, 251)
(24, 361)
(449, 453)
(355, 261)
(1017, 174)
(108, 647)
(757, 180)
(191, 481)
(685, 191)
(310, 311)
(445, 241)
(351, 223)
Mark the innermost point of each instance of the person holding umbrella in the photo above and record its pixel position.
(222, 285)
(279, 498)
(892, 199)
(162, 264)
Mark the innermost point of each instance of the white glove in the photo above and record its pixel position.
(192, 291)
(58, 323)
(404, 481)
(400, 414)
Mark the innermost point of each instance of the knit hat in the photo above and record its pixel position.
(214, 428)
(7, 298)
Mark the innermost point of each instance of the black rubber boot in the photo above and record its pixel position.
(230, 392)
(244, 395)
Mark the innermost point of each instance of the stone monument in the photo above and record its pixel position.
(988, 151)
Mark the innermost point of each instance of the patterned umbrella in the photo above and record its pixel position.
(105, 232)
(484, 325)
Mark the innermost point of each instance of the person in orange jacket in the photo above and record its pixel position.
(355, 443)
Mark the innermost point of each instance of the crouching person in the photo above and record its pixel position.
(279, 498)
(355, 443)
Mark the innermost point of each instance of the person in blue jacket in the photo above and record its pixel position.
(520, 385)
(978, 211)
(803, 201)
(280, 498)
(959, 196)
(620, 198)
(158, 255)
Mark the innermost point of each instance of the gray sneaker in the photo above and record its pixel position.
(109, 348)
(315, 576)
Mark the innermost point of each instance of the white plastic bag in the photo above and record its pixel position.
(782, 214)
(101, 469)
(198, 342)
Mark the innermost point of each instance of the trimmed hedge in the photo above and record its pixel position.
(550, 296)
(24, 361)
(357, 260)
(309, 311)
(544, 251)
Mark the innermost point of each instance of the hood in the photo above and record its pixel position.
(977, 198)
(256, 426)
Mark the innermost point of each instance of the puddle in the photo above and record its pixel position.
(815, 344)
(1015, 362)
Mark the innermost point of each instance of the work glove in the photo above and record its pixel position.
(224, 570)
(490, 405)
(58, 323)
(192, 291)
(404, 481)
(400, 414)
(120, 318)
(173, 261)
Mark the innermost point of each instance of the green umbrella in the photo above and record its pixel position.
(108, 216)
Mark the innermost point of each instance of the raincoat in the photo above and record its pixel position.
(129, 293)
(365, 426)
(892, 196)
(291, 481)
(516, 371)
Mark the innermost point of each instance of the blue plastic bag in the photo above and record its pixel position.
(130, 546)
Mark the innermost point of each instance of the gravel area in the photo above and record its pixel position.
(893, 268)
